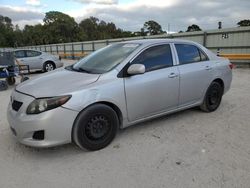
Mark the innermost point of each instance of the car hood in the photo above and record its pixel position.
(56, 83)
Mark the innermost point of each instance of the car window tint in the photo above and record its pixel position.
(31, 53)
(20, 54)
(155, 57)
(187, 53)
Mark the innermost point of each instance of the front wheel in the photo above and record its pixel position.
(213, 97)
(95, 127)
(48, 66)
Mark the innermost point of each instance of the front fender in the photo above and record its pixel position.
(111, 92)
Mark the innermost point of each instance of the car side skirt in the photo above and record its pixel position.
(126, 123)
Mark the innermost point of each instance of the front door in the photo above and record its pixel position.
(20, 55)
(33, 59)
(155, 91)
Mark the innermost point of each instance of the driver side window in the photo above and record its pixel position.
(156, 57)
(20, 54)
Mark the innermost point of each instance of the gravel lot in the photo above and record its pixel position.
(187, 149)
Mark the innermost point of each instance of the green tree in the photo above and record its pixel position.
(6, 32)
(61, 27)
(57, 28)
(90, 27)
(152, 28)
(102, 30)
(18, 36)
(243, 23)
(193, 27)
(127, 34)
(35, 35)
(142, 32)
(96, 29)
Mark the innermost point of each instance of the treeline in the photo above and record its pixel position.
(58, 27)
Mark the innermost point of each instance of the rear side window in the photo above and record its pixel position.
(155, 57)
(31, 53)
(20, 54)
(189, 54)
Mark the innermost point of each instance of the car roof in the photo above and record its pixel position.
(154, 41)
(18, 49)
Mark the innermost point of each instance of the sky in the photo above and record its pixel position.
(130, 15)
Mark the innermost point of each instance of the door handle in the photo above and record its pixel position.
(208, 68)
(172, 75)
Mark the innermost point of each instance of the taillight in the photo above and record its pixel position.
(231, 66)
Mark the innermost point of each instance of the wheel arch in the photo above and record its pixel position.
(220, 81)
(110, 104)
(49, 61)
(217, 80)
(115, 108)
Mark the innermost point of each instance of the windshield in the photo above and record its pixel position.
(105, 59)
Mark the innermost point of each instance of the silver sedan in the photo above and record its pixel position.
(37, 60)
(115, 87)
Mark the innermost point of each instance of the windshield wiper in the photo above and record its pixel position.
(80, 69)
(71, 67)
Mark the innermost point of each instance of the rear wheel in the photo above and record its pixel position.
(95, 127)
(11, 80)
(213, 97)
(48, 66)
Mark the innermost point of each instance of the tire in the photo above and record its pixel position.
(48, 66)
(212, 98)
(11, 80)
(3, 85)
(95, 127)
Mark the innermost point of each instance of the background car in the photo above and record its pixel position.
(38, 60)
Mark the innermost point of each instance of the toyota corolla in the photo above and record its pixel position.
(115, 87)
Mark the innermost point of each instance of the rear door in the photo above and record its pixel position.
(195, 73)
(156, 90)
(34, 59)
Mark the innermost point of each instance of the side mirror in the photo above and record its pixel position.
(135, 69)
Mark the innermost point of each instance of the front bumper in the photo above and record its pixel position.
(56, 124)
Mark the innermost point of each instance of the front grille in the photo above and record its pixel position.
(16, 105)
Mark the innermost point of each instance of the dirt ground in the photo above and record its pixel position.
(189, 149)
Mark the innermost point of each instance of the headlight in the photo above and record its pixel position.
(44, 104)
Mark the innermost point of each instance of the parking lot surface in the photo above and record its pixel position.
(188, 149)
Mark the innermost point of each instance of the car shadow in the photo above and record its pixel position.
(34, 72)
(157, 122)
